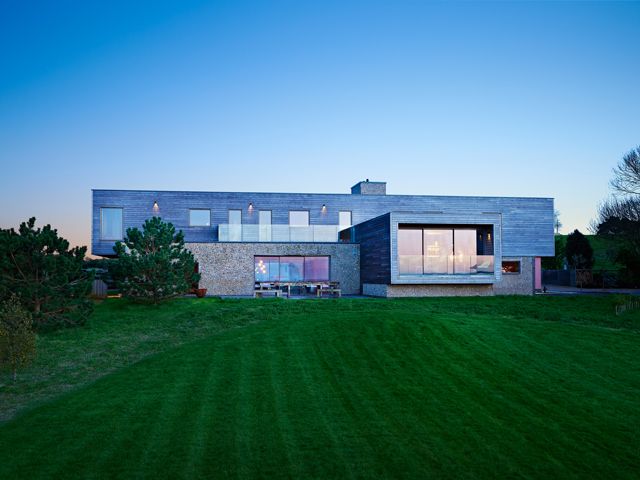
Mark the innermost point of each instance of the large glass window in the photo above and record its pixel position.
(464, 241)
(199, 217)
(316, 268)
(291, 269)
(410, 251)
(444, 251)
(438, 251)
(111, 224)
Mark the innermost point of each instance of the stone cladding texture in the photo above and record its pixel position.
(227, 268)
(517, 283)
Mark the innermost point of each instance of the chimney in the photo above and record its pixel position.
(369, 188)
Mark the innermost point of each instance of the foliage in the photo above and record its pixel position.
(619, 217)
(336, 388)
(556, 262)
(38, 266)
(153, 264)
(17, 338)
(578, 250)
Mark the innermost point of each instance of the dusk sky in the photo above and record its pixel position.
(505, 99)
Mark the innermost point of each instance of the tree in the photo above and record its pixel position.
(620, 219)
(17, 338)
(619, 216)
(46, 276)
(153, 265)
(626, 175)
(556, 262)
(556, 221)
(578, 250)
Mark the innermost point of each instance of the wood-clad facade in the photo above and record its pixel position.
(517, 227)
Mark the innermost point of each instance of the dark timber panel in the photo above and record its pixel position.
(374, 237)
(527, 223)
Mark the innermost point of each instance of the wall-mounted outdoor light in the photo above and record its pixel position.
(324, 208)
(250, 206)
(155, 206)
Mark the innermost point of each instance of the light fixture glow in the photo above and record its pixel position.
(324, 207)
(250, 206)
(155, 206)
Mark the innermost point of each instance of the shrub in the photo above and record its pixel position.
(46, 275)
(17, 338)
(153, 265)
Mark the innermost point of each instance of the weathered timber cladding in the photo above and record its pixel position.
(374, 237)
(526, 223)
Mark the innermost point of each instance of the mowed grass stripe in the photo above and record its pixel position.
(374, 389)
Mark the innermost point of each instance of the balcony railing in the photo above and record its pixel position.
(445, 265)
(278, 233)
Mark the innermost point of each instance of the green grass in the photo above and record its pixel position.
(500, 387)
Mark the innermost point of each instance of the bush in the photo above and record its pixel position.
(153, 265)
(17, 338)
(578, 251)
(46, 275)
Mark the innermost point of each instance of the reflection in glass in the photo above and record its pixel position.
(438, 251)
(465, 250)
(111, 223)
(445, 251)
(316, 268)
(410, 251)
(291, 269)
(199, 217)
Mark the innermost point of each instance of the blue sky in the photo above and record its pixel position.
(524, 99)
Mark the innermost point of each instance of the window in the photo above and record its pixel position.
(235, 225)
(199, 217)
(511, 266)
(299, 218)
(410, 251)
(443, 251)
(438, 251)
(292, 269)
(344, 220)
(264, 227)
(111, 224)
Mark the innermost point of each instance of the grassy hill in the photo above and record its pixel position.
(537, 387)
(602, 251)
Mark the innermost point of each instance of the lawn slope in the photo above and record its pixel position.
(447, 388)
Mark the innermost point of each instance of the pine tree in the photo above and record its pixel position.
(153, 264)
(38, 267)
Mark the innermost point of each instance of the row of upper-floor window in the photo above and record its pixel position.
(112, 224)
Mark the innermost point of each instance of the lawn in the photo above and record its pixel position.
(531, 387)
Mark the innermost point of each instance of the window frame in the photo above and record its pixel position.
(304, 269)
(518, 262)
(122, 232)
(200, 210)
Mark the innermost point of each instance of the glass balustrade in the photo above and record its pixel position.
(445, 264)
(277, 233)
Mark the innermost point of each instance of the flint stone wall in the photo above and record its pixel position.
(227, 268)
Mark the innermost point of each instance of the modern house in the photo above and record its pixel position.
(372, 243)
